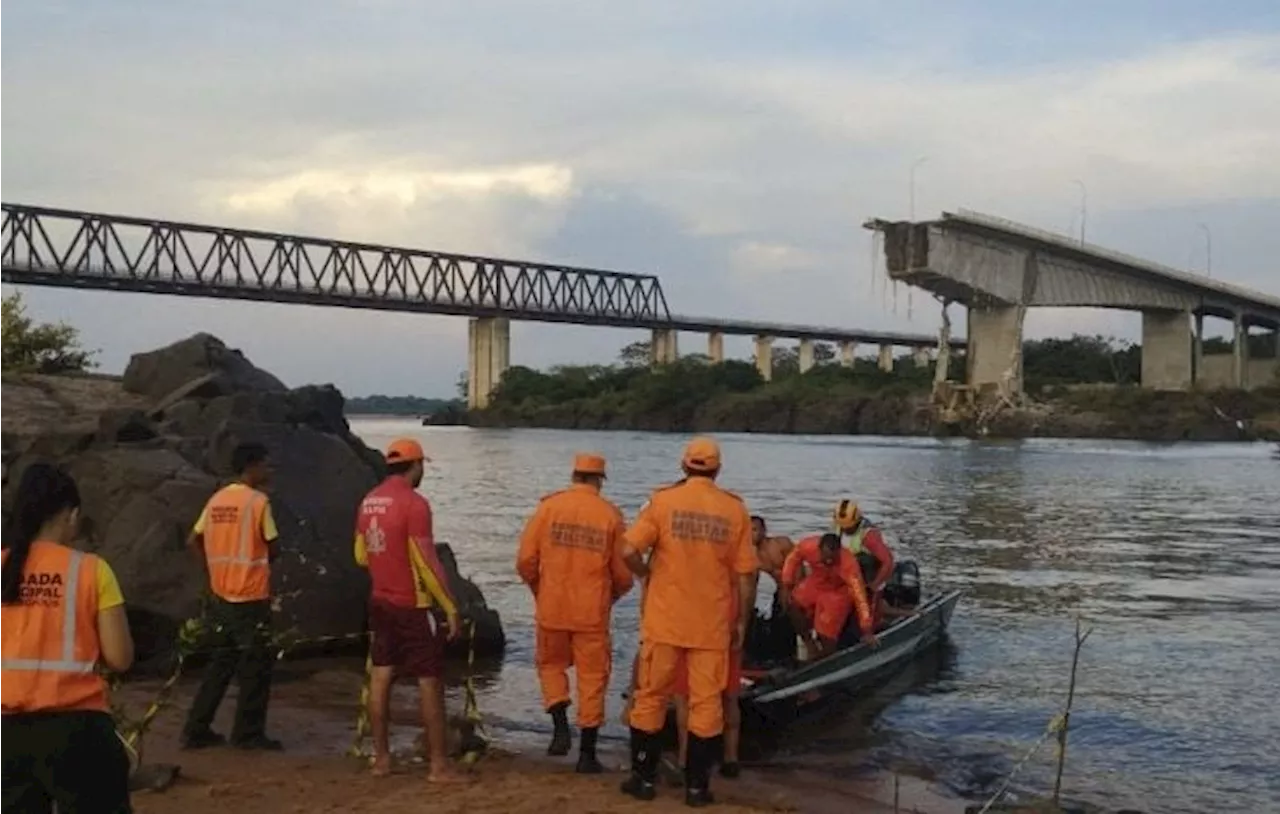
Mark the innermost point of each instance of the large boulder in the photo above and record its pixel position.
(147, 461)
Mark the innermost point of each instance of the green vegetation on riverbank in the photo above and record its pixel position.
(1082, 386)
(400, 405)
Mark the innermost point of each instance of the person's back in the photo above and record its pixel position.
(63, 617)
(235, 547)
(578, 567)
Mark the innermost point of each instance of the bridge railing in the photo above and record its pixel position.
(81, 249)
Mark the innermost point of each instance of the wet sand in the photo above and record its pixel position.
(314, 774)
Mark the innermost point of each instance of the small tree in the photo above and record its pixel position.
(635, 355)
(43, 348)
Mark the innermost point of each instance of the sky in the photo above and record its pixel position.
(732, 148)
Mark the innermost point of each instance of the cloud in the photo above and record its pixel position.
(734, 149)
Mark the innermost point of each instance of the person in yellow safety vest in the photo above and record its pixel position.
(63, 617)
(866, 543)
(235, 537)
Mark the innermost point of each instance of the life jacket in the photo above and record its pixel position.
(51, 648)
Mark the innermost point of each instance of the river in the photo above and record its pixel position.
(1170, 552)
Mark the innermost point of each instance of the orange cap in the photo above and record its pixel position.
(702, 455)
(405, 450)
(586, 463)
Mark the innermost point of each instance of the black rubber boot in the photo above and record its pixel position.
(561, 740)
(697, 775)
(645, 754)
(587, 761)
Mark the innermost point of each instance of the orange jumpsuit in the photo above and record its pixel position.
(571, 558)
(700, 536)
(829, 592)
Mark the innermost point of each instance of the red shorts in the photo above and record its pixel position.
(732, 684)
(409, 639)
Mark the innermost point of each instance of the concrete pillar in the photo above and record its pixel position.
(886, 358)
(847, 350)
(488, 356)
(1197, 352)
(1166, 350)
(920, 356)
(806, 355)
(995, 346)
(715, 347)
(764, 357)
(663, 347)
(1240, 353)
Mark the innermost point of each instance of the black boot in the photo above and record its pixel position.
(697, 774)
(587, 761)
(561, 741)
(645, 754)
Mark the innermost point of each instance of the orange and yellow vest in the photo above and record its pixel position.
(234, 545)
(50, 645)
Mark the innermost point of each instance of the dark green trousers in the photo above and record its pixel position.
(239, 636)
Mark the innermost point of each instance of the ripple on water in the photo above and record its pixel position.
(1171, 551)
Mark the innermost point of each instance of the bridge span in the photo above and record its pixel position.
(999, 269)
(86, 250)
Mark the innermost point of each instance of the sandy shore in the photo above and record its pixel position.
(314, 774)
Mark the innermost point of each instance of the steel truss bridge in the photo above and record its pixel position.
(64, 248)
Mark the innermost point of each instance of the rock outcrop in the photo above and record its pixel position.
(148, 450)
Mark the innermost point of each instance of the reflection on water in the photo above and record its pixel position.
(1171, 551)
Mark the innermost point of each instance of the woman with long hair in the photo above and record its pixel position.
(63, 615)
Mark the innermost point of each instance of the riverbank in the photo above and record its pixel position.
(1092, 412)
(313, 711)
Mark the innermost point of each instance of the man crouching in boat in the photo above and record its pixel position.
(819, 604)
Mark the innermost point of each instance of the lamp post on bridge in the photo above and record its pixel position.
(1208, 250)
(1084, 206)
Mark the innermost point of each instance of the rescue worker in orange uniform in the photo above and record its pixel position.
(63, 617)
(235, 537)
(571, 559)
(822, 601)
(396, 542)
(700, 538)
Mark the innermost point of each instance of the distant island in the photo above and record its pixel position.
(431, 410)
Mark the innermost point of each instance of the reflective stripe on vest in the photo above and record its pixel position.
(68, 663)
(244, 541)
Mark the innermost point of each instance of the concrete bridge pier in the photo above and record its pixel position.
(715, 347)
(995, 346)
(664, 347)
(488, 356)
(806, 355)
(886, 358)
(764, 357)
(920, 356)
(1240, 352)
(1168, 350)
(847, 350)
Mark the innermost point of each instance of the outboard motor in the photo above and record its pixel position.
(903, 588)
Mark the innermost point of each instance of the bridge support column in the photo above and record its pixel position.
(920, 356)
(886, 358)
(764, 357)
(1240, 354)
(995, 347)
(663, 347)
(1166, 350)
(488, 356)
(715, 347)
(1197, 352)
(806, 355)
(847, 349)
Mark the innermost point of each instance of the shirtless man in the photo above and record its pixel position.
(770, 551)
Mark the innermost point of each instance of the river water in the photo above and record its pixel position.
(1170, 552)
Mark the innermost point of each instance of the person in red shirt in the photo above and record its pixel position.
(821, 602)
(410, 591)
